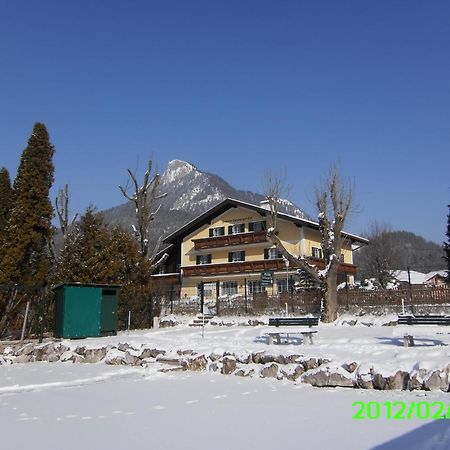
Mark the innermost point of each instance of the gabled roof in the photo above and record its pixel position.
(228, 203)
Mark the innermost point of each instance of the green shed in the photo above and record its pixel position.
(85, 310)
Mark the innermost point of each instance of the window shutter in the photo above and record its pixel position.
(198, 259)
(222, 231)
(251, 226)
(230, 229)
(230, 257)
(209, 259)
(242, 256)
(266, 253)
(264, 225)
(211, 232)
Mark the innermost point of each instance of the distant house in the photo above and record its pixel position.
(226, 249)
(435, 278)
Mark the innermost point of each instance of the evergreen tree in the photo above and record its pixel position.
(447, 247)
(5, 202)
(95, 254)
(25, 258)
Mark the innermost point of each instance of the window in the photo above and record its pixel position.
(272, 253)
(203, 259)
(317, 253)
(229, 288)
(236, 228)
(209, 290)
(236, 256)
(255, 287)
(217, 231)
(257, 226)
(282, 285)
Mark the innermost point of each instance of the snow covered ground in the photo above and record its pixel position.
(96, 406)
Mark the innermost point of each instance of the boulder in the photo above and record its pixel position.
(151, 353)
(436, 379)
(244, 372)
(350, 367)
(398, 381)
(326, 376)
(270, 370)
(228, 364)
(94, 355)
(292, 371)
(27, 349)
(168, 322)
(197, 362)
(416, 378)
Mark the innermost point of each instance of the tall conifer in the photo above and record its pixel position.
(5, 201)
(25, 255)
(447, 247)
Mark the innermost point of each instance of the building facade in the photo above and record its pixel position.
(225, 252)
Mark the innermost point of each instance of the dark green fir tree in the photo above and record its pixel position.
(5, 202)
(25, 256)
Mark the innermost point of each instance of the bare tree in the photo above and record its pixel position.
(377, 260)
(333, 201)
(144, 198)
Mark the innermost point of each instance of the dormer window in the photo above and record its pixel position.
(236, 228)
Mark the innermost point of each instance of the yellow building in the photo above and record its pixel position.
(226, 249)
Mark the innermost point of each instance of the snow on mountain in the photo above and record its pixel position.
(190, 192)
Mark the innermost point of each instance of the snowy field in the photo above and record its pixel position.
(97, 406)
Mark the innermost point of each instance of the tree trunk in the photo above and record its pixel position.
(330, 301)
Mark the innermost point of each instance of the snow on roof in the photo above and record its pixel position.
(417, 277)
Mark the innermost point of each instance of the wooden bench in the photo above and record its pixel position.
(293, 322)
(429, 319)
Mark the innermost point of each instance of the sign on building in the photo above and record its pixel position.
(267, 278)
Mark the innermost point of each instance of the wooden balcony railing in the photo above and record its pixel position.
(251, 267)
(229, 240)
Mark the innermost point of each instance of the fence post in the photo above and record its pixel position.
(217, 297)
(41, 315)
(245, 296)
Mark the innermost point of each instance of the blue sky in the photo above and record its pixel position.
(236, 88)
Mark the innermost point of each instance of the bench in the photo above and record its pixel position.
(293, 322)
(429, 319)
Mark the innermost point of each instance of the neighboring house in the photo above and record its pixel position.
(435, 278)
(226, 249)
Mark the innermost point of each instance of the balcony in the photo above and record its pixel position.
(276, 265)
(256, 237)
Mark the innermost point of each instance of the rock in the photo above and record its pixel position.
(364, 380)
(94, 355)
(214, 367)
(293, 371)
(256, 322)
(416, 379)
(131, 358)
(215, 356)
(228, 365)
(398, 381)
(171, 360)
(23, 359)
(379, 382)
(350, 367)
(256, 357)
(244, 372)
(151, 353)
(326, 376)
(80, 350)
(436, 379)
(185, 352)
(124, 346)
(168, 321)
(27, 349)
(115, 357)
(270, 370)
(243, 358)
(197, 362)
(310, 363)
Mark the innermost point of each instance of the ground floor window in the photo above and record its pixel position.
(255, 287)
(229, 288)
(209, 290)
(282, 285)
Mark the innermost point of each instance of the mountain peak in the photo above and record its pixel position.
(177, 169)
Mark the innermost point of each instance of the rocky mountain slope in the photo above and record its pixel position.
(190, 192)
